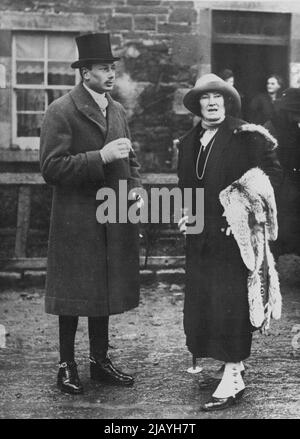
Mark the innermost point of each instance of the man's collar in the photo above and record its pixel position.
(98, 97)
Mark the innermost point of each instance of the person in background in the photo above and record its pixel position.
(285, 126)
(261, 107)
(228, 76)
(93, 267)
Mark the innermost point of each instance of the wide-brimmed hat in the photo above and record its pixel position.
(290, 100)
(212, 82)
(93, 48)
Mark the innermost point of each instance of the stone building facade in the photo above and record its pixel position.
(164, 44)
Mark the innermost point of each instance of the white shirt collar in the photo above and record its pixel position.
(207, 136)
(99, 98)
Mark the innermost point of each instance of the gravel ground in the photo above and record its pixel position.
(149, 342)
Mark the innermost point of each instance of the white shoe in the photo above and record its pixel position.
(231, 383)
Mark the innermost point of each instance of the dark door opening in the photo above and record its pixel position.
(251, 65)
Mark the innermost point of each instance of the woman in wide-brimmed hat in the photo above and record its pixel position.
(220, 312)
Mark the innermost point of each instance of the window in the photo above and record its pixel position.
(263, 28)
(41, 72)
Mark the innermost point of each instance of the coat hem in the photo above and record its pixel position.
(83, 310)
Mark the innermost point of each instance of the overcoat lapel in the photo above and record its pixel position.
(88, 107)
(114, 119)
(225, 132)
(220, 154)
(221, 143)
(188, 166)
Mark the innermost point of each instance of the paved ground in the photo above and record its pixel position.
(149, 342)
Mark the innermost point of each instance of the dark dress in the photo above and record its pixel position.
(216, 311)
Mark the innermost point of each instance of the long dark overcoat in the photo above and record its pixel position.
(93, 268)
(216, 311)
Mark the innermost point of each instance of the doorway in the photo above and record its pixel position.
(253, 45)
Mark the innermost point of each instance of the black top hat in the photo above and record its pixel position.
(93, 48)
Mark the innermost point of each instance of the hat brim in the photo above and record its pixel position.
(83, 62)
(191, 99)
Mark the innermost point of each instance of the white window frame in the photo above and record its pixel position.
(33, 142)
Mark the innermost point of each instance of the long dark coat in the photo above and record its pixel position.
(261, 109)
(216, 311)
(93, 268)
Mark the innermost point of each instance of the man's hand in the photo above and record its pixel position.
(115, 150)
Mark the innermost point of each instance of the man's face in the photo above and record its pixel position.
(212, 105)
(272, 85)
(101, 77)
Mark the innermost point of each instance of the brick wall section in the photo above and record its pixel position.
(145, 33)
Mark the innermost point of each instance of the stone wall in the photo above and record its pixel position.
(159, 42)
(164, 46)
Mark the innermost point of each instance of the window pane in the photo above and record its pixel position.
(30, 46)
(55, 94)
(60, 74)
(29, 125)
(30, 72)
(33, 100)
(61, 48)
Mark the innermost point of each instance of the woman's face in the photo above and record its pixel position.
(273, 85)
(212, 105)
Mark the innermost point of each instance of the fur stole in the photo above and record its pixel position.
(250, 209)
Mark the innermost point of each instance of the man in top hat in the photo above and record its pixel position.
(217, 152)
(93, 267)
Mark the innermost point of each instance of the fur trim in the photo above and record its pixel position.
(250, 210)
(253, 128)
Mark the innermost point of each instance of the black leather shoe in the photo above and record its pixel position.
(221, 403)
(103, 370)
(208, 382)
(68, 380)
